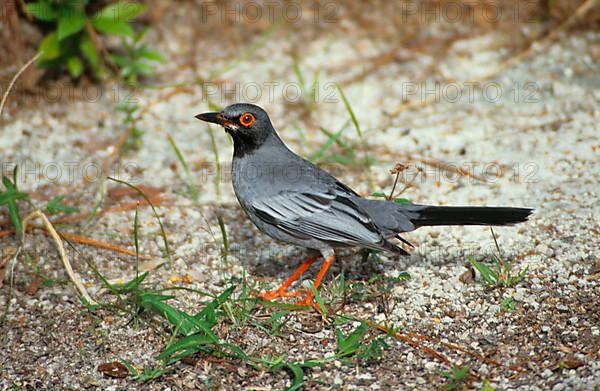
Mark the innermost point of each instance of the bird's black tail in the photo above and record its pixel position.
(470, 215)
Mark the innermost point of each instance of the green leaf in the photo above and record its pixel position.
(486, 386)
(50, 47)
(176, 317)
(191, 342)
(75, 66)
(86, 46)
(42, 11)
(9, 198)
(110, 26)
(162, 228)
(149, 54)
(122, 11)
(136, 240)
(236, 351)
(348, 346)
(55, 205)
(186, 323)
(119, 59)
(350, 111)
(298, 373)
(131, 285)
(319, 299)
(379, 194)
(100, 72)
(70, 23)
(402, 201)
(333, 138)
(10, 187)
(144, 69)
(134, 372)
(489, 276)
(114, 18)
(522, 274)
(207, 313)
(403, 276)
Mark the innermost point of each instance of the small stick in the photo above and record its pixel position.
(61, 250)
(14, 79)
(82, 240)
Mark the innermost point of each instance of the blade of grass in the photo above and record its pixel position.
(188, 343)
(136, 243)
(319, 300)
(215, 150)
(218, 301)
(333, 138)
(162, 228)
(188, 176)
(225, 240)
(359, 132)
(298, 72)
(350, 111)
(298, 376)
(350, 344)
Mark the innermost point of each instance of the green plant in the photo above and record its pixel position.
(508, 304)
(500, 274)
(137, 59)
(275, 323)
(359, 132)
(457, 378)
(486, 385)
(352, 345)
(74, 41)
(160, 224)
(321, 154)
(55, 205)
(10, 197)
(309, 92)
(398, 169)
(191, 187)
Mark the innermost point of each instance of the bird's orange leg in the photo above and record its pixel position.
(282, 291)
(308, 300)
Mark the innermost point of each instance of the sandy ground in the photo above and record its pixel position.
(528, 136)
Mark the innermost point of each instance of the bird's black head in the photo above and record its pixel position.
(248, 125)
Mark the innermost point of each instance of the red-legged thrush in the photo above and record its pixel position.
(292, 200)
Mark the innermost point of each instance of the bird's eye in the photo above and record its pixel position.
(247, 119)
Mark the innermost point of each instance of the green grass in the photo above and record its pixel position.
(188, 175)
(367, 159)
(187, 334)
(322, 153)
(500, 274)
(162, 228)
(508, 305)
(56, 205)
(310, 92)
(9, 198)
(75, 39)
(455, 379)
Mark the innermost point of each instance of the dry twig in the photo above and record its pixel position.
(61, 250)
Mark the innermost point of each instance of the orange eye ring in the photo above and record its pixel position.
(247, 119)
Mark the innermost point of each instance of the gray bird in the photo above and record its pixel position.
(292, 200)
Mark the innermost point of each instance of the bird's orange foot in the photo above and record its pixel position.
(309, 301)
(277, 293)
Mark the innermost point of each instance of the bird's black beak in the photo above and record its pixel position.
(215, 118)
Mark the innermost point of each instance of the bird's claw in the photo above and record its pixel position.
(277, 293)
(309, 301)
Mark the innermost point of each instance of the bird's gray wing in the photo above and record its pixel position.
(330, 216)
